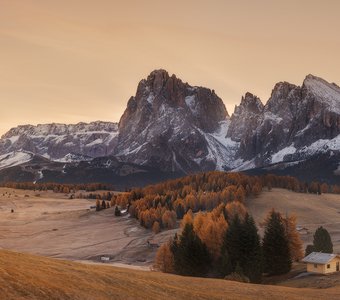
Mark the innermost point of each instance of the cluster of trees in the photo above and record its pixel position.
(161, 205)
(102, 204)
(322, 242)
(59, 187)
(101, 196)
(220, 244)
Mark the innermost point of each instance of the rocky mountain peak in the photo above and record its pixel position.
(245, 118)
(325, 93)
(281, 92)
(164, 117)
(157, 80)
(249, 103)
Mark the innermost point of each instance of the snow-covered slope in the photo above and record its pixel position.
(295, 124)
(60, 141)
(14, 159)
(327, 93)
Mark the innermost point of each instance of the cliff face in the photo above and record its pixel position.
(166, 124)
(296, 122)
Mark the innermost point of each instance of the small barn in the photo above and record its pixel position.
(322, 263)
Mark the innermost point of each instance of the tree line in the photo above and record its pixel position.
(59, 187)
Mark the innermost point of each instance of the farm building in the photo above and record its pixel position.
(322, 263)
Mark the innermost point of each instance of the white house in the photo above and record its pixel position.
(322, 263)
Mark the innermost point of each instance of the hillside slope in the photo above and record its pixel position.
(24, 276)
(311, 211)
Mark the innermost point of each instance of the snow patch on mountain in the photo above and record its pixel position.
(327, 92)
(244, 165)
(14, 159)
(322, 145)
(222, 149)
(191, 103)
(73, 157)
(279, 156)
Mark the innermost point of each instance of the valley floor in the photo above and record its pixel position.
(50, 224)
(53, 225)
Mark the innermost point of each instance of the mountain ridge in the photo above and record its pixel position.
(176, 127)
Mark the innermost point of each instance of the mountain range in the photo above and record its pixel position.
(170, 128)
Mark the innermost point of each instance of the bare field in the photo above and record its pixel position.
(53, 225)
(311, 210)
(24, 276)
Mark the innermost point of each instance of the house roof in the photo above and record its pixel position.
(319, 258)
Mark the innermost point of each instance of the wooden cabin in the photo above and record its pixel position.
(322, 263)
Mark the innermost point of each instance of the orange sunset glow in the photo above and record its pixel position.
(72, 61)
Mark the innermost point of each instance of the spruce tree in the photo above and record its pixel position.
(232, 241)
(242, 247)
(275, 246)
(322, 241)
(309, 249)
(251, 251)
(191, 256)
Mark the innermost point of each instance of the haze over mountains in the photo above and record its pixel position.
(172, 128)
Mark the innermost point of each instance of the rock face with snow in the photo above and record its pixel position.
(172, 125)
(296, 123)
(176, 128)
(62, 142)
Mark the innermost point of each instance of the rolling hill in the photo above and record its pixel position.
(24, 276)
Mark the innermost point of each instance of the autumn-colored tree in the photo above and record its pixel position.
(324, 188)
(336, 189)
(169, 219)
(98, 207)
(191, 202)
(235, 208)
(211, 233)
(256, 189)
(164, 260)
(240, 194)
(187, 219)
(156, 228)
(294, 240)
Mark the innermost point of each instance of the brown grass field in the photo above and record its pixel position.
(55, 226)
(51, 225)
(24, 276)
(311, 210)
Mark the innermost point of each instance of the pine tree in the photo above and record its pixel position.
(242, 247)
(191, 256)
(232, 241)
(322, 241)
(251, 251)
(275, 246)
(309, 249)
(224, 266)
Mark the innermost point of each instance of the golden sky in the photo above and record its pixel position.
(69, 61)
